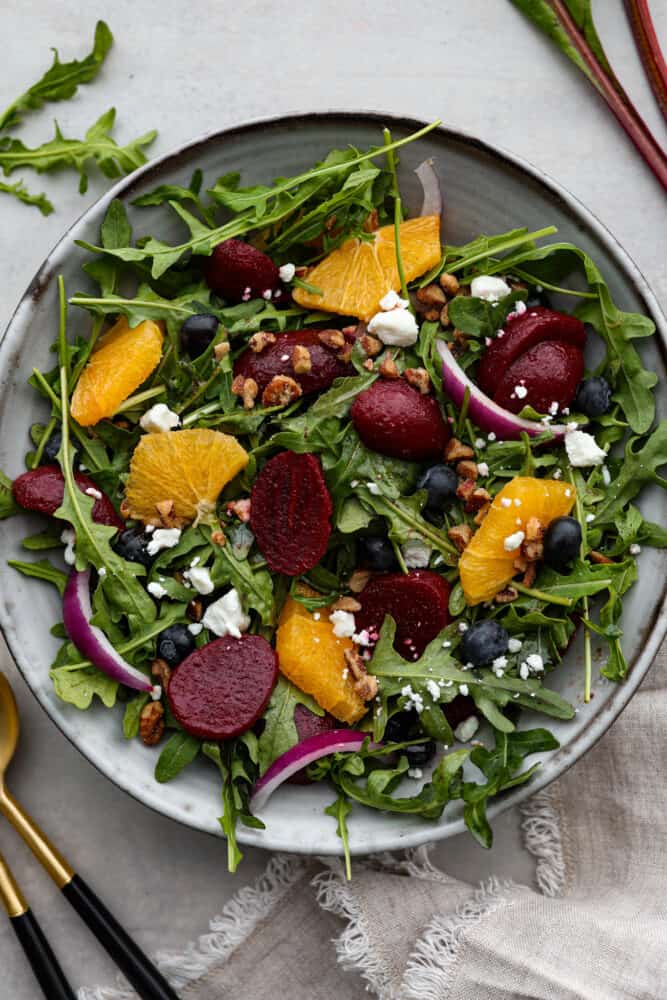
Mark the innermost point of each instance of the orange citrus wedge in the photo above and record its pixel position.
(188, 468)
(123, 359)
(358, 274)
(486, 567)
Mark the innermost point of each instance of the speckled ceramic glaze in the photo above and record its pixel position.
(485, 191)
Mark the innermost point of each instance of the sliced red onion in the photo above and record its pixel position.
(303, 754)
(483, 412)
(432, 204)
(91, 640)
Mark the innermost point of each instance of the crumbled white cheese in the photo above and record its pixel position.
(286, 273)
(589, 518)
(101, 572)
(226, 616)
(535, 663)
(415, 700)
(284, 357)
(156, 589)
(343, 624)
(480, 443)
(149, 529)
(482, 468)
(195, 628)
(462, 626)
(524, 671)
(463, 689)
(634, 549)
(520, 308)
(92, 492)
(489, 287)
(582, 449)
(392, 300)
(69, 538)
(416, 554)
(163, 538)
(266, 294)
(606, 475)
(557, 474)
(195, 562)
(513, 541)
(373, 488)
(446, 644)
(159, 418)
(467, 729)
(397, 327)
(433, 689)
(514, 645)
(200, 578)
(362, 638)
(553, 408)
(520, 391)
(491, 436)
(499, 663)
(415, 772)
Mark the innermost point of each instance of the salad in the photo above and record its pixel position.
(334, 496)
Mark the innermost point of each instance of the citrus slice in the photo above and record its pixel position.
(358, 274)
(185, 468)
(486, 567)
(123, 359)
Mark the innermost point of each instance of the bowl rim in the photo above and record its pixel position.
(654, 631)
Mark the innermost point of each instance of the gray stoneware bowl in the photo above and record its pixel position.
(485, 191)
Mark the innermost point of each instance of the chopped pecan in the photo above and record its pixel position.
(506, 596)
(195, 610)
(456, 450)
(301, 362)
(460, 341)
(346, 604)
(444, 315)
(218, 538)
(520, 564)
(599, 557)
(247, 389)
(467, 469)
(389, 368)
(151, 723)
(449, 283)
(221, 350)
(370, 345)
(532, 547)
(260, 340)
(465, 489)
(460, 534)
(530, 575)
(365, 685)
(165, 510)
(419, 379)
(240, 509)
(345, 353)
(331, 338)
(368, 364)
(358, 580)
(162, 670)
(477, 500)
(431, 295)
(432, 315)
(280, 391)
(481, 513)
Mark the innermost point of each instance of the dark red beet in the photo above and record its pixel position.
(222, 689)
(393, 419)
(269, 362)
(459, 709)
(542, 350)
(290, 513)
(42, 490)
(550, 372)
(238, 271)
(417, 601)
(309, 724)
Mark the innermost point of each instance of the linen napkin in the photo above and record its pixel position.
(594, 926)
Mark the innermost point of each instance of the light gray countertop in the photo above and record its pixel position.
(187, 69)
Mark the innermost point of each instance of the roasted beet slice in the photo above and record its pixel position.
(239, 271)
(42, 490)
(393, 419)
(459, 709)
(276, 359)
(222, 689)
(290, 513)
(535, 326)
(417, 601)
(309, 724)
(550, 373)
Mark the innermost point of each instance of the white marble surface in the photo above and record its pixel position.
(186, 69)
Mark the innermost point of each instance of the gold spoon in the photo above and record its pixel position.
(130, 959)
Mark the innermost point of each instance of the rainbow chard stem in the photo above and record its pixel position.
(648, 46)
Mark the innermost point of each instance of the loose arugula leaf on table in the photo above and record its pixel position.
(179, 751)
(61, 80)
(20, 191)
(8, 505)
(237, 762)
(340, 809)
(41, 570)
(280, 732)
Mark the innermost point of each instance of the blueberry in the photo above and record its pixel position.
(400, 727)
(377, 554)
(174, 644)
(420, 753)
(132, 544)
(440, 483)
(197, 332)
(562, 542)
(52, 447)
(483, 642)
(593, 396)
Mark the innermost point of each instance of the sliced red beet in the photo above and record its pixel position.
(417, 601)
(239, 271)
(459, 709)
(394, 419)
(222, 689)
(550, 373)
(276, 359)
(308, 724)
(290, 513)
(42, 490)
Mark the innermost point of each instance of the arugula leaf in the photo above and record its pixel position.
(78, 686)
(340, 809)
(20, 191)
(8, 505)
(480, 318)
(280, 732)
(178, 752)
(42, 570)
(639, 469)
(255, 585)
(404, 521)
(41, 541)
(61, 80)
(132, 716)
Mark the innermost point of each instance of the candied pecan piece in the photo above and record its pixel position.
(247, 389)
(161, 669)
(532, 547)
(221, 350)
(449, 283)
(365, 685)
(240, 509)
(481, 513)
(280, 391)
(195, 610)
(467, 469)
(419, 379)
(151, 723)
(506, 596)
(218, 538)
(346, 604)
(370, 345)
(301, 362)
(460, 534)
(444, 315)
(358, 580)
(389, 369)
(477, 499)
(431, 295)
(456, 450)
(165, 509)
(260, 340)
(331, 338)
(465, 489)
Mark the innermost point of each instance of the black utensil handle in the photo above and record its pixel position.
(44, 963)
(126, 953)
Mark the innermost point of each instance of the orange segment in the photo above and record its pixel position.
(189, 468)
(123, 359)
(313, 658)
(485, 567)
(358, 274)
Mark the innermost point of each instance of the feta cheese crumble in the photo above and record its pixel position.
(513, 541)
(416, 554)
(195, 628)
(634, 549)
(489, 287)
(156, 590)
(286, 273)
(463, 689)
(226, 616)
(415, 700)
(467, 729)
(373, 488)
(583, 450)
(343, 624)
(553, 408)
(397, 327)
(520, 391)
(606, 475)
(158, 419)
(200, 578)
(415, 772)
(433, 689)
(514, 645)
(392, 300)
(163, 538)
(69, 538)
(483, 468)
(92, 492)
